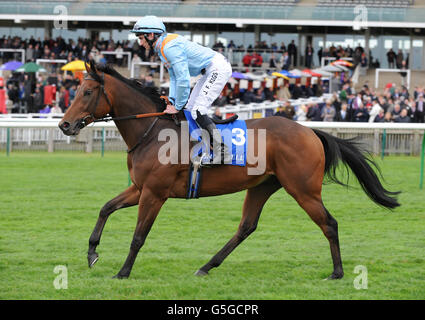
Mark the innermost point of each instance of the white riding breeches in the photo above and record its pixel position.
(209, 86)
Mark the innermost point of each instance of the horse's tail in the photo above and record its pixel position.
(350, 153)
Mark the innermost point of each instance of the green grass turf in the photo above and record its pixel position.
(49, 204)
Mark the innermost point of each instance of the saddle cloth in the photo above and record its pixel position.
(233, 134)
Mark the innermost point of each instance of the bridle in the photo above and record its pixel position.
(93, 107)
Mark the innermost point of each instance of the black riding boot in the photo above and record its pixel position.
(217, 146)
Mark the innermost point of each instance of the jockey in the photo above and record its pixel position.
(185, 59)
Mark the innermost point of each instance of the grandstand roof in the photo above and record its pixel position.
(239, 12)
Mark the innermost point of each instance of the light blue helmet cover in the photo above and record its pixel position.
(149, 24)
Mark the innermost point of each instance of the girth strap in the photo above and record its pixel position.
(143, 137)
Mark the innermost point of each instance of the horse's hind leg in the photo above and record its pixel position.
(307, 192)
(321, 216)
(255, 199)
(128, 198)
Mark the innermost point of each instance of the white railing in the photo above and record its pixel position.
(120, 53)
(44, 134)
(407, 71)
(22, 51)
(134, 74)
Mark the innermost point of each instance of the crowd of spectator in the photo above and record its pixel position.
(26, 91)
(392, 105)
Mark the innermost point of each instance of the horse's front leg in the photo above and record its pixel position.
(128, 198)
(149, 205)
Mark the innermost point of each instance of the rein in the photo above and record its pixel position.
(136, 116)
(106, 119)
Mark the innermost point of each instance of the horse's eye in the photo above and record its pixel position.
(88, 92)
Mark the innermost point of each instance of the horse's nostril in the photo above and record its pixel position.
(65, 125)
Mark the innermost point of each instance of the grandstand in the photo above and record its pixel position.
(369, 3)
(390, 24)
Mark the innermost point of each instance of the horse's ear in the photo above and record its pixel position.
(92, 65)
(86, 64)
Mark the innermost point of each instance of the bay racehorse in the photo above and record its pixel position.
(297, 159)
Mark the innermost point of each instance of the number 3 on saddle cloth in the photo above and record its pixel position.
(233, 134)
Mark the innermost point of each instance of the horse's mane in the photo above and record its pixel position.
(150, 92)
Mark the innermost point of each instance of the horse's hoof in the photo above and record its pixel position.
(201, 273)
(335, 276)
(92, 259)
(119, 276)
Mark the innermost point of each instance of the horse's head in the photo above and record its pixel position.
(91, 102)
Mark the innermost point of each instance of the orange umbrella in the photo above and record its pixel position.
(343, 63)
(313, 74)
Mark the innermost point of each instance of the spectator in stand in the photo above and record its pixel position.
(380, 117)
(360, 114)
(313, 113)
(343, 94)
(29, 53)
(301, 113)
(388, 117)
(247, 59)
(248, 96)
(46, 109)
(319, 55)
(56, 109)
(297, 92)
(396, 112)
(289, 110)
(318, 88)
(403, 117)
(391, 58)
(231, 45)
(38, 99)
(292, 51)
(280, 112)
(13, 94)
(257, 60)
(375, 110)
(283, 93)
(363, 61)
(63, 99)
(259, 95)
(149, 81)
(119, 55)
(309, 51)
(411, 106)
(328, 112)
(28, 90)
(309, 92)
(420, 110)
(342, 115)
(285, 61)
(399, 59)
(231, 99)
(272, 62)
(335, 84)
